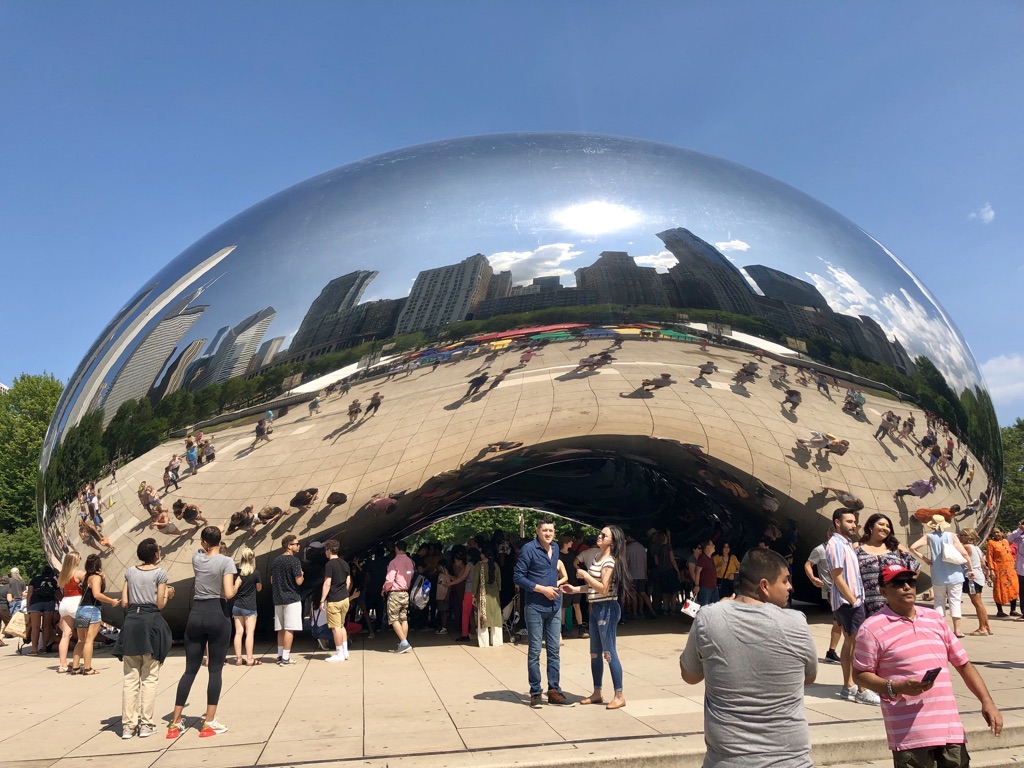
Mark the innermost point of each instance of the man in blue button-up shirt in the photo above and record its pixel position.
(536, 575)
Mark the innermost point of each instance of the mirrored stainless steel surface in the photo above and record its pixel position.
(523, 257)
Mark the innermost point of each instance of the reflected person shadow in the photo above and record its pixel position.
(638, 394)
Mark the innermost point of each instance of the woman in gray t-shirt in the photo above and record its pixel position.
(144, 641)
(208, 626)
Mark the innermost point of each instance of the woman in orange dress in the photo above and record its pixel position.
(1004, 579)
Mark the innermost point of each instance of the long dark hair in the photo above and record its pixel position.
(891, 542)
(620, 573)
(488, 551)
(93, 566)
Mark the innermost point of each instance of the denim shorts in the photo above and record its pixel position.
(86, 615)
(236, 611)
(42, 607)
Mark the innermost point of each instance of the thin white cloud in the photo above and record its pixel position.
(922, 330)
(526, 265)
(732, 245)
(985, 214)
(1004, 375)
(661, 261)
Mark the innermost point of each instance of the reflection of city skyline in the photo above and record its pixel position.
(702, 278)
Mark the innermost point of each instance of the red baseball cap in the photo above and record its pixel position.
(891, 572)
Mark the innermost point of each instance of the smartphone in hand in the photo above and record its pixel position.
(930, 675)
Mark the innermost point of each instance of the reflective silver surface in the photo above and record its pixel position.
(640, 249)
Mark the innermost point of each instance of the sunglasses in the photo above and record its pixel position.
(903, 583)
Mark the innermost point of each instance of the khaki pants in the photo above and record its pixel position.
(138, 704)
(949, 756)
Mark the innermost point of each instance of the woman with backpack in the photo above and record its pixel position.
(42, 601)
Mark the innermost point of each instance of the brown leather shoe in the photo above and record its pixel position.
(557, 698)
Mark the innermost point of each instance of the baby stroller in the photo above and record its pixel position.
(510, 618)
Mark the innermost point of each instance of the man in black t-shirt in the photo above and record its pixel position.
(334, 598)
(285, 579)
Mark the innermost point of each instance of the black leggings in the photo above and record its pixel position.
(208, 622)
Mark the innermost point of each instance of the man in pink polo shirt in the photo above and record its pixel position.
(895, 650)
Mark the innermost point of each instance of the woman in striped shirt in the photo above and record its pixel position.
(606, 581)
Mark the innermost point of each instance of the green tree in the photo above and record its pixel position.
(25, 413)
(1011, 507)
(483, 522)
(22, 548)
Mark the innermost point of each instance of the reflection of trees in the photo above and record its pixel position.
(79, 457)
(1010, 509)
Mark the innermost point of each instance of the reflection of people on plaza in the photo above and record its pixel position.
(754, 657)
(896, 649)
(270, 514)
(526, 357)
(747, 372)
(304, 499)
(190, 513)
(499, 378)
(162, 522)
(918, 488)
(778, 374)
(475, 383)
(824, 441)
(354, 409)
(244, 520)
(793, 398)
(1005, 587)
(375, 400)
(262, 433)
(662, 381)
(847, 498)
(704, 370)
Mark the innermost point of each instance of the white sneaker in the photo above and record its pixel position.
(868, 697)
(335, 657)
(849, 694)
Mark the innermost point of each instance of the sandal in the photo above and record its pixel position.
(960, 634)
(613, 705)
(255, 663)
(62, 670)
(89, 671)
(590, 700)
(978, 633)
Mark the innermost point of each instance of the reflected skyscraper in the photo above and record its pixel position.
(236, 349)
(174, 377)
(446, 294)
(139, 372)
(617, 279)
(321, 323)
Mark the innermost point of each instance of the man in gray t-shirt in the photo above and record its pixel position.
(755, 657)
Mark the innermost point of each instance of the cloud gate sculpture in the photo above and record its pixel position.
(608, 329)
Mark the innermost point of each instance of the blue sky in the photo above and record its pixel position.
(131, 130)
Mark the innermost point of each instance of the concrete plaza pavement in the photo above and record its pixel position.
(446, 704)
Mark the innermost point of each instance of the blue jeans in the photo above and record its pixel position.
(707, 596)
(604, 619)
(543, 624)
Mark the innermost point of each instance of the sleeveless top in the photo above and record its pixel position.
(593, 596)
(72, 588)
(943, 573)
(976, 573)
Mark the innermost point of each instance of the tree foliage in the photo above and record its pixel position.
(22, 548)
(1011, 508)
(484, 522)
(25, 413)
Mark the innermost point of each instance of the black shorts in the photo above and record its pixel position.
(640, 585)
(972, 587)
(849, 618)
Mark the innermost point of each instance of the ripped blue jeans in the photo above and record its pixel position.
(604, 621)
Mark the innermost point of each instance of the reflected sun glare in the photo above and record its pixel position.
(596, 217)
